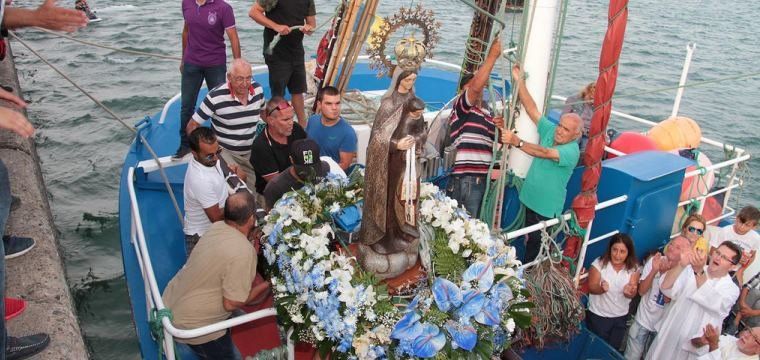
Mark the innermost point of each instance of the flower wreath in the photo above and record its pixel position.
(475, 301)
(419, 17)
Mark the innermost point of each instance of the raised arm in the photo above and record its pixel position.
(479, 81)
(524, 95)
(257, 14)
(46, 15)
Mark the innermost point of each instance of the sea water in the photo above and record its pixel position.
(82, 148)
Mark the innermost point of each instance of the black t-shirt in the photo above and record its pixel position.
(271, 157)
(283, 183)
(290, 13)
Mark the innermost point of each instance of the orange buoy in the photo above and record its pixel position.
(675, 133)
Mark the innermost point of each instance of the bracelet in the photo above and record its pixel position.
(699, 273)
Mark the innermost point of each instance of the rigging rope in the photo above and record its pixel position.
(116, 117)
(128, 51)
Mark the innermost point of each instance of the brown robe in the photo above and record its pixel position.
(376, 172)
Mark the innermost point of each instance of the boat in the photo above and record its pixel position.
(639, 194)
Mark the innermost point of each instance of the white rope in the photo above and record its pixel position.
(409, 186)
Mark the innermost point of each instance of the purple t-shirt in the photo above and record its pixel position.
(206, 25)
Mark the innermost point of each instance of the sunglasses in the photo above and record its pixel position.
(212, 156)
(694, 230)
(281, 106)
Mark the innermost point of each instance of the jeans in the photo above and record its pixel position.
(219, 349)
(192, 79)
(533, 242)
(5, 209)
(468, 190)
(611, 330)
(639, 340)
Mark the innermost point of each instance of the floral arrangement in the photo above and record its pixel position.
(472, 307)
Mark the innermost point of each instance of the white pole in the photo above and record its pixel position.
(689, 51)
(542, 17)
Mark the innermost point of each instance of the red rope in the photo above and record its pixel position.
(585, 202)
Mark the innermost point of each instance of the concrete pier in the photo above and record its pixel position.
(38, 276)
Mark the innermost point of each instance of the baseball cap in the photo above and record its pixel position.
(304, 154)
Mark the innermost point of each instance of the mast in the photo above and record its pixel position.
(540, 17)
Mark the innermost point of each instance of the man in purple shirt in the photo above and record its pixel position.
(203, 54)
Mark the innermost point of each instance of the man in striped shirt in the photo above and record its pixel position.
(472, 129)
(234, 109)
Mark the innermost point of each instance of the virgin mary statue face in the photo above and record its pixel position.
(406, 84)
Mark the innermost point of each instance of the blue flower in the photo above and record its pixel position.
(502, 292)
(463, 335)
(408, 327)
(480, 272)
(429, 343)
(275, 232)
(489, 314)
(473, 301)
(446, 294)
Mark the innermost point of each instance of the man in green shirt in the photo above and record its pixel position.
(555, 157)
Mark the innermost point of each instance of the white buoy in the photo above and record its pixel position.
(536, 65)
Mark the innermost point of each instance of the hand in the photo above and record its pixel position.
(605, 286)
(685, 257)
(747, 312)
(238, 171)
(14, 121)
(630, 290)
(712, 335)
(656, 262)
(282, 29)
(516, 72)
(699, 341)
(182, 67)
(52, 17)
(495, 46)
(508, 137)
(9, 96)
(698, 260)
(307, 29)
(406, 143)
(499, 122)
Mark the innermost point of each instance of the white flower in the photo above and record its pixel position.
(334, 208)
(466, 253)
(510, 325)
(296, 318)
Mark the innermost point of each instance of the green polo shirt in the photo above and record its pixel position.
(546, 184)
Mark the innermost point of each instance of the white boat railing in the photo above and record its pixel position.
(153, 295)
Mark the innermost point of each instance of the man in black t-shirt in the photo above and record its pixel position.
(306, 168)
(269, 152)
(286, 59)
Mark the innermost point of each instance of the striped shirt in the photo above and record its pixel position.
(234, 123)
(472, 131)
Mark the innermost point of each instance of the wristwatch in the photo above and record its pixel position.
(520, 144)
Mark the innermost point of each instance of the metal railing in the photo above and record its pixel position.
(153, 295)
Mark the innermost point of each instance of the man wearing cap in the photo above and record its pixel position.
(234, 109)
(306, 168)
(270, 150)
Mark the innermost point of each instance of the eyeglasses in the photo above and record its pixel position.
(754, 337)
(722, 256)
(284, 105)
(694, 230)
(210, 157)
(242, 78)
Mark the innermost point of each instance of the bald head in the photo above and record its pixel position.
(569, 129)
(239, 208)
(676, 247)
(240, 66)
(239, 78)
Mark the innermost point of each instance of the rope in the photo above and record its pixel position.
(157, 328)
(133, 52)
(276, 39)
(555, 55)
(116, 117)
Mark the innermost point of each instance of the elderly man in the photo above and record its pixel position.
(286, 60)
(555, 157)
(217, 279)
(235, 111)
(335, 136)
(203, 54)
(205, 188)
(653, 301)
(727, 347)
(270, 150)
(701, 295)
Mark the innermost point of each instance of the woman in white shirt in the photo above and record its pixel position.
(613, 279)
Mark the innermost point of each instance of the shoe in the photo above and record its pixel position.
(16, 246)
(17, 348)
(181, 153)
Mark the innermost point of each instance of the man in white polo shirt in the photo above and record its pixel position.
(234, 109)
(205, 186)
